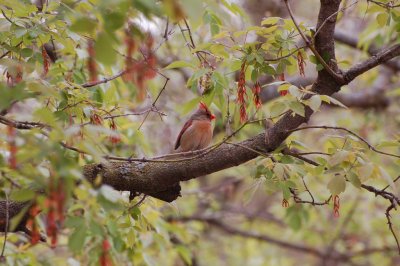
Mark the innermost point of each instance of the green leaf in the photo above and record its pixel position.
(277, 108)
(46, 116)
(293, 90)
(185, 254)
(365, 171)
(285, 190)
(115, 20)
(110, 194)
(98, 95)
(295, 222)
(283, 87)
(387, 178)
(104, 49)
(254, 75)
(315, 102)
(279, 171)
(319, 67)
(338, 157)
(325, 98)
(188, 106)
(334, 101)
(74, 221)
(214, 29)
(179, 64)
(76, 240)
(26, 52)
(387, 143)
(294, 216)
(354, 180)
(270, 21)
(268, 69)
(22, 194)
(147, 7)
(337, 185)
(222, 34)
(16, 220)
(382, 19)
(131, 238)
(83, 25)
(298, 108)
(8, 95)
(313, 59)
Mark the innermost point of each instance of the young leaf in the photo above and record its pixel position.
(298, 108)
(180, 64)
(337, 158)
(337, 185)
(315, 102)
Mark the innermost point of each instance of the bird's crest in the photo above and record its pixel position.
(203, 106)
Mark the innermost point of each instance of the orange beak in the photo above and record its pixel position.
(212, 117)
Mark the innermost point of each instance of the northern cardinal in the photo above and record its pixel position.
(197, 132)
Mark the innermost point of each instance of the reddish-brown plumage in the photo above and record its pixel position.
(197, 132)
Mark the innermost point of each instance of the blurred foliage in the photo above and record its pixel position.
(101, 225)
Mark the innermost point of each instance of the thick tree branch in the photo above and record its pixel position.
(331, 17)
(345, 38)
(381, 57)
(21, 124)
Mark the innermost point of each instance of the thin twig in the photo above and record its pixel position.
(151, 109)
(331, 16)
(250, 149)
(21, 124)
(139, 202)
(314, 153)
(191, 45)
(394, 181)
(166, 30)
(165, 36)
(153, 105)
(285, 56)
(387, 213)
(133, 114)
(8, 19)
(350, 132)
(336, 76)
(388, 5)
(104, 80)
(15, 184)
(306, 188)
(6, 53)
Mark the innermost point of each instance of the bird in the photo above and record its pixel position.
(197, 132)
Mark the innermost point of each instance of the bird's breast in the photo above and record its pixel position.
(197, 136)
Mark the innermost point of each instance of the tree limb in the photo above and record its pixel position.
(350, 40)
(381, 57)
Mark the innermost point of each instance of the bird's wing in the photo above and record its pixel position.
(185, 127)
